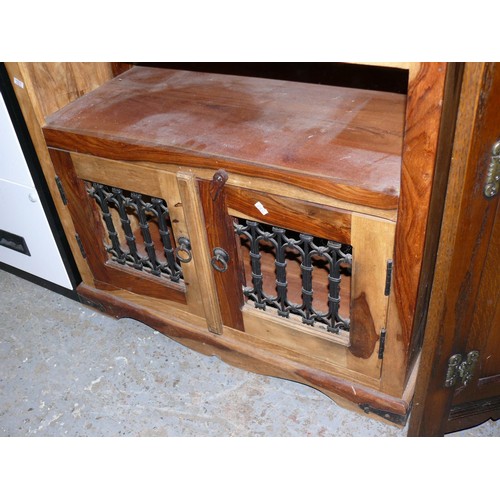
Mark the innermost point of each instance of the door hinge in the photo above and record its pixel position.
(80, 245)
(492, 183)
(388, 278)
(395, 418)
(381, 345)
(460, 368)
(61, 191)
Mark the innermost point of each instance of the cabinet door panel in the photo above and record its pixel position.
(290, 263)
(127, 236)
(484, 335)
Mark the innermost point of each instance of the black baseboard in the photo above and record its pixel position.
(70, 294)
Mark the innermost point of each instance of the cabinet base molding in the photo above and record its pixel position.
(473, 413)
(243, 354)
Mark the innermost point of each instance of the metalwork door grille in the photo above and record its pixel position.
(139, 231)
(296, 274)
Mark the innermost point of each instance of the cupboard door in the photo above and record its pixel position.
(479, 392)
(307, 277)
(126, 226)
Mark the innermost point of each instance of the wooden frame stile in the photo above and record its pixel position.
(193, 211)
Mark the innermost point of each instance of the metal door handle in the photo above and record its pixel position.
(183, 250)
(220, 260)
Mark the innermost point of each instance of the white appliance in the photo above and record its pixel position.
(27, 242)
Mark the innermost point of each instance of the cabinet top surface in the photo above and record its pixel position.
(349, 136)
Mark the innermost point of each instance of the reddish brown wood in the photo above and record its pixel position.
(120, 67)
(336, 141)
(303, 217)
(343, 143)
(364, 336)
(141, 283)
(483, 335)
(220, 234)
(452, 89)
(300, 216)
(464, 272)
(423, 116)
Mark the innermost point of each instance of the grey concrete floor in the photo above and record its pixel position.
(67, 370)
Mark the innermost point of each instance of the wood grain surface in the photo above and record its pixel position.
(423, 119)
(220, 234)
(322, 137)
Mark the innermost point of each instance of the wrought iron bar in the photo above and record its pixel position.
(102, 197)
(147, 211)
(121, 203)
(141, 208)
(311, 252)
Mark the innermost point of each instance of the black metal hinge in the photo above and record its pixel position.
(387, 415)
(82, 250)
(61, 191)
(388, 278)
(381, 345)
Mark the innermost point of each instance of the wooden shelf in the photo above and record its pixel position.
(343, 142)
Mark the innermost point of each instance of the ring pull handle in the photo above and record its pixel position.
(183, 250)
(220, 260)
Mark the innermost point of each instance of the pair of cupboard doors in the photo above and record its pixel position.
(202, 247)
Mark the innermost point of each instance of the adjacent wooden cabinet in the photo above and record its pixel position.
(282, 226)
(459, 380)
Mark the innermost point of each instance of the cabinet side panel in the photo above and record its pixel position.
(443, 158)
(423, 118)
(52, 85)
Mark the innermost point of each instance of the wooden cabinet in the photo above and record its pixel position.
(281, 226)
(459, 381)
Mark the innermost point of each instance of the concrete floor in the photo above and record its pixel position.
(67, 370)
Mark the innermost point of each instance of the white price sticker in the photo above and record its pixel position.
(260, 207)
(19, 83)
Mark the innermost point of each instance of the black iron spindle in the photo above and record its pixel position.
(147, 210)
(280, 263)
(102, 196)
(141, 208)
(121, 202)
(257, 278)
(307, 290)
(171, 267)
